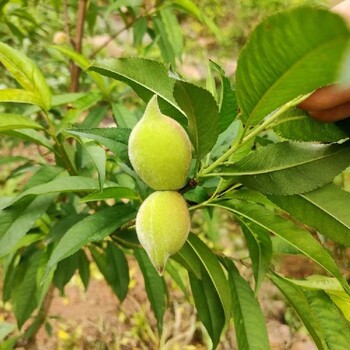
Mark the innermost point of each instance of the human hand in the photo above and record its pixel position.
(330, 103)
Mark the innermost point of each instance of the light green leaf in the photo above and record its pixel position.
(289, 54)
(6, 328)
(27, 74)
(326, 209)
(297, 299)
(111, 192)
(249, 320)
(291, 168)
(84, 63)
(90, 229)
(293, 234)
(98, 157)
(123, 116)
(155, 286)
(297, 125)
(19, 96)
(202, 113)
(116, 139)
(15, 121)
(32, 136)
(61, 185)
(13, 233)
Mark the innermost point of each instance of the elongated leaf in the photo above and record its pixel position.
(336, 328)
(289, 54)
(297, 299)
(90, 229)
(116, 139)
(26, 74)
(326, 209)
(155, 286)
(113, 265)
(208, 279)
(19, 96)
(290, 168)
(23, 295)
(32, 136)
(260, 250)
(294, 235)
(111, 192)
(84, 63)
(146, 78)
(61, 185)
(14, 121)
(329, 285)
(84, 268)
(6, 328)
(228, 102)
(249, 320)
(202, 113)
(23, 223)
(98, 157)
(297, 125)
(123, 116)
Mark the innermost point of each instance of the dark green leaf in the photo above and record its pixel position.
(297, 125)
(155, 286)
(289, 54)
(247, 315)
(293, 234)
(290, 168)
(115, 139)
(90, 229)
(326, 209)
(84, 268)
(202, 113)
(23, 223)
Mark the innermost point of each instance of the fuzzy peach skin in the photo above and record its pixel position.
(162, 226)
(330, 103)
(160, 150)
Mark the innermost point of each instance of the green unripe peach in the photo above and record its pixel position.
(162, 226)
(160, 150)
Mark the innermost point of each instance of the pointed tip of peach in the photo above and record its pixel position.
(152, 108)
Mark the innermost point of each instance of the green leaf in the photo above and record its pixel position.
(326, 209)
(202, 113)
(90, 229)
(84, 63)
(289, 54)
(6, 329)
(84, 268)
(98, 157)
(293, 234)
(123, 116)
(297, 125)
(228, 102)
(19, 96)
(288, 168)
(163, 42)
(260, 250)
(113, 265)
(27, 74)
(62, 184)
(248, 318)
(14, 121)
(146, 78)
(207, 278)
(65, 271)
(297, 299)
(23, 223)
(115, 139)
(155, 286)
(111, 192)
(25, 287)
(32, 136)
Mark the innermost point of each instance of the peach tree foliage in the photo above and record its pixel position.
(255, 155)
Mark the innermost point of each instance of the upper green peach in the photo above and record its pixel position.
(160, 150)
